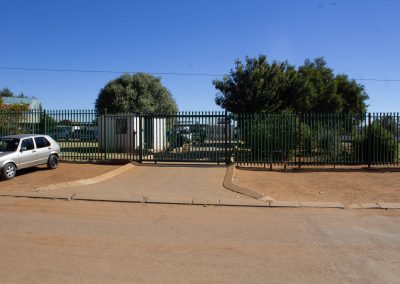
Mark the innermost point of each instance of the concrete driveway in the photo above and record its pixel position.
(203, 182)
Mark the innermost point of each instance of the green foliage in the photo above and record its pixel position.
(135, 93)
(6, 92)
(273, 137)
(316, 90)
(47, 123)
(260, 86)
(22, 95)
(390, 122)
(353, 95)
(331, 147)
(255, 87)
(376, 145)
(14, 107)
(14, 118)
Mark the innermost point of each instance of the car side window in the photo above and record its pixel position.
(41, 142)
(28, 144)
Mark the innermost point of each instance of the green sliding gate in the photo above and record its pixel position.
(186, 137)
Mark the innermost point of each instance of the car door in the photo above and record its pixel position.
(43, 148)
(27, 156)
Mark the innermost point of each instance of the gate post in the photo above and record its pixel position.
(105, 135)
(140, 138)
(369, 141)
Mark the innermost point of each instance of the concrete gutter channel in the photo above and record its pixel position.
(258, 199)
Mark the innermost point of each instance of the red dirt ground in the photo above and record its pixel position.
(346, 185)
(28, 179)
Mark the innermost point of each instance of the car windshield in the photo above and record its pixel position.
(8, 144)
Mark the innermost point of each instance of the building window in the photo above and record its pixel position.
(121, 125)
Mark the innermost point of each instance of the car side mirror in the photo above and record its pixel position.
(23, 149)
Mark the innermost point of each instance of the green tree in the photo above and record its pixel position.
(6, 92)
(258, 86)
(47, 123)
(271, 137)
(23, 96)
(135, 93)
(352, 94)
(255, 86)
(317, 88)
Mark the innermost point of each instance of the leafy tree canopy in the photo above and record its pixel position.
(6, 92)
(135, 93)
(260, 86)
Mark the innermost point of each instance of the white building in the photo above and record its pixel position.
(120, 132)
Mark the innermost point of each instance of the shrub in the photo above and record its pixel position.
(375, 145)
(271, 137)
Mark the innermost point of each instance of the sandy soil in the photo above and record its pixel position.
(346, 185)
(29, 179)
(46, 241)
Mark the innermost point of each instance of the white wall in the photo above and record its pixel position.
(160, 134)
(129, 141)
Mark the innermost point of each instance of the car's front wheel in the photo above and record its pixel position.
(9, 171)
(52, 163)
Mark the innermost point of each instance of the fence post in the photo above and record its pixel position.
(105, 135)
(334, 140)
(369, 141)
(226, 138)
(140, 138)
(44, 122)
(300, 141)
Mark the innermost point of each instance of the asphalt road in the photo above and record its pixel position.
(69, 242)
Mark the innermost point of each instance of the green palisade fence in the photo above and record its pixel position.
(248, 139)
(20, 122)
(317, 139)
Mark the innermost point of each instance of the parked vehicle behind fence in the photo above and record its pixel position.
(61, 133)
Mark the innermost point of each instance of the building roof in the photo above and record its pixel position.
(33, 103)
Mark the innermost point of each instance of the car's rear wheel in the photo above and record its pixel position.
(9, 171)
(52, 163)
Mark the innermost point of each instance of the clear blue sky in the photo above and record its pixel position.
(358, 37)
